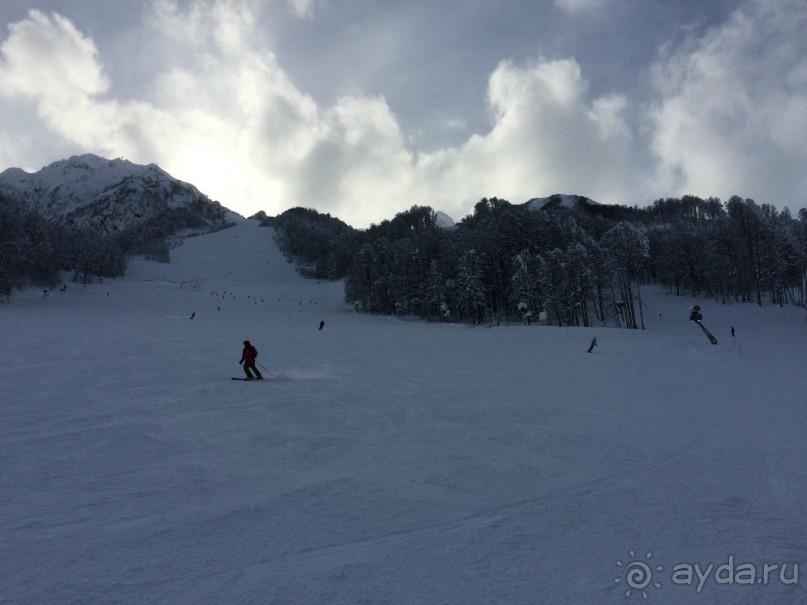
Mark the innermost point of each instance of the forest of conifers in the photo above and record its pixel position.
(584, 265)
(580, 266)
(35, 250)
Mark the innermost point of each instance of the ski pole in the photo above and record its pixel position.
(265, 368)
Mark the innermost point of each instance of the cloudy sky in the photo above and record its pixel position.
(363, 108)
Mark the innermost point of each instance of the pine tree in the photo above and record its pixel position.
(471, 295)
(524, 293)
(628, 250)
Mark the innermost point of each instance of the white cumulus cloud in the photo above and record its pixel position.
(45, 56)
(547, 136)
(732, 110)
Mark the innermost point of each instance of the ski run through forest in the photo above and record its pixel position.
(388, 460)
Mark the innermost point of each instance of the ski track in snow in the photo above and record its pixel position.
(387, 461)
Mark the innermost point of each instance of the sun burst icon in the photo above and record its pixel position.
(638, 574)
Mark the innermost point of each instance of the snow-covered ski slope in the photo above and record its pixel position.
(390, 461)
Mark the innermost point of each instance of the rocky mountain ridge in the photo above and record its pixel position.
(112, 196)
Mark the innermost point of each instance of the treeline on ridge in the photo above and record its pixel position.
(34, 250)
(568, 266)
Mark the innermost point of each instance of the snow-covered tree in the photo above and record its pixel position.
(628, 251)
(471, 295)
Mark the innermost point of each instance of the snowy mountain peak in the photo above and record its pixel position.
(112, 195)
(559, 200)
(443, 220)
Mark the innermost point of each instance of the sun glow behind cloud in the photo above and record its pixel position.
(218, 110)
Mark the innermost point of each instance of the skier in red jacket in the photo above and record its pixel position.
(248, 356)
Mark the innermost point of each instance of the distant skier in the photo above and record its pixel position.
(248, 356)
(321, 325)
(593, 344)
(732, 331)
(695, 313)
(193, 314)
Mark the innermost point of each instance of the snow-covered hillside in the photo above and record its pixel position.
(388, 461)
(444, 221)
(573, 202)
(116, 194)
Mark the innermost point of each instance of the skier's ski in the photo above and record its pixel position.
(709, 335)
(250, 379)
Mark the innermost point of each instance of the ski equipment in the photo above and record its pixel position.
(695, 316)
(709, 335)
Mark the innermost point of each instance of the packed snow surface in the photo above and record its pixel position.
(388, 461)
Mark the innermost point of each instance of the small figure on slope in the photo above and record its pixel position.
(248, 356)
